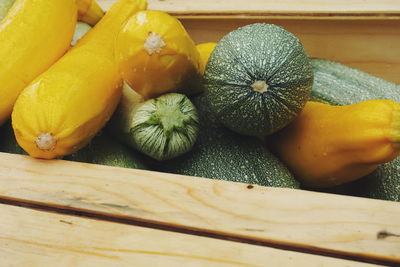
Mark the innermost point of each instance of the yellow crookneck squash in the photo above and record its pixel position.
(205, 50)
(89, 11)
(332, 145)
(61, 110)
(157, 55)
(33, 35)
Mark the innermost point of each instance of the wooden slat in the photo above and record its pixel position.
(272, 8)
(35, 238)
(333, 223)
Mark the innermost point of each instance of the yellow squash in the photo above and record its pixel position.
(331, 145)
(89, 11)
(205, 50)
(61, 110)
(157, 55)
(33, 35)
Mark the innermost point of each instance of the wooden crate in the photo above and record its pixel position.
(60, 213)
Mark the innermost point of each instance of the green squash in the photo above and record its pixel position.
(338, 84)
(258, 79)
(383, 183)
(104, 150)
(225, 155)
(162, 128)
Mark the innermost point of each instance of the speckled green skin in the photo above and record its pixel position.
(222, 154)
(162, 128)
(338, 84)
(383, 183)
(5, 5)
(104, 150)
(258, 52)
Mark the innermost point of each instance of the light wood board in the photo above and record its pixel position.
(272, 8)
(35, 238)
(326, 222)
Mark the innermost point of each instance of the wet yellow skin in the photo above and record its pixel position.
(33, 35)
(174, 68)
(73, 100)
(331, 145)
(89, 11)
(205, 50)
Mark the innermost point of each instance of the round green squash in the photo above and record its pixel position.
(258, 79)
(225, 155)
(162, 128)
(104, 150)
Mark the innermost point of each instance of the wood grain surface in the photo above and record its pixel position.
(361, 33)
(35, 238)
(323, 222)
(265, 8)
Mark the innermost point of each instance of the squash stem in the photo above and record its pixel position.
(170, 117)
(46, 142)
(154, 43)
(260, 86)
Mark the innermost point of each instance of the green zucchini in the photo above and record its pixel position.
(222, 154)
(162, 128)
(384, 183)
(104, 150)
(258, 79)
(339, 84)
